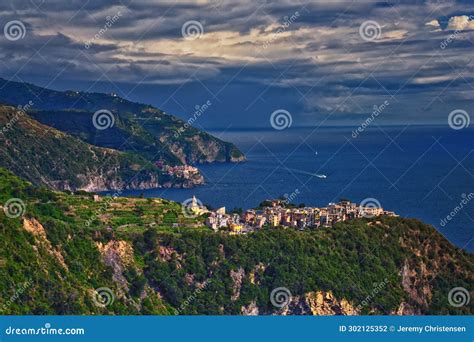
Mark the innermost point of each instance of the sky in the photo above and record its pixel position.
(322, 62)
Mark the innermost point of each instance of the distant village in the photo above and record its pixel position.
(187, 173)
(184, 171)
(278, 213)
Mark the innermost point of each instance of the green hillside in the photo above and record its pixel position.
(46, 156)
(137, 128)
(153, 260)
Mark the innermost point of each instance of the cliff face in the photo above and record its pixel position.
(80, 150)
(119, 256)
(46, 156)
(205, 150)
(104, 180)
(128, 126)
(318, 303)
(408, 269)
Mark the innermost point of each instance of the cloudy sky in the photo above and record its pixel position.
(325, 62)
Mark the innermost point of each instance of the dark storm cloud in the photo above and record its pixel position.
(312, 50)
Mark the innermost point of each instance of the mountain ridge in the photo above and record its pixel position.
(46, 156)
(141, 128)
(141, 131)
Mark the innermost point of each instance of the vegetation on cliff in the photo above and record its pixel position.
(136, 128)
(46, 156)
(154, 260)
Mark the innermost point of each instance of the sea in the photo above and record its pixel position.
(423, 172)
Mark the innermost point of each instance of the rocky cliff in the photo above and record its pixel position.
(46, 156)
(109, 121)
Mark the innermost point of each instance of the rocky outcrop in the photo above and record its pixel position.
(318, 303)
(103, 183)
(406, 309)
(250, 310)
(415, 282)
(34, 227)
(255, 274)
(37, 230)
(62, 161)
(94, 182)
(118, 255)
(237, 159)
(324, 303)
(166, 253)
(206, 149)
(237, 278)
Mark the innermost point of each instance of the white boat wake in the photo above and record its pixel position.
(322, 176)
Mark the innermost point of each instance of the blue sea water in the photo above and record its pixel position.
(422, 172)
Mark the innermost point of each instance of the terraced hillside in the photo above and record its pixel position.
(68, 253)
